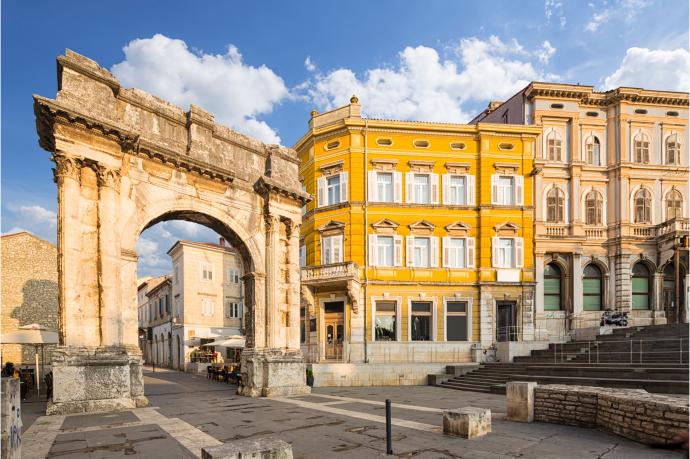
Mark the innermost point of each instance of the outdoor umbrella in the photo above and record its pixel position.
(236, 342)
(33, 334)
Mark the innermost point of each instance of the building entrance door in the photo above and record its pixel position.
(334, 317)
(506, 321)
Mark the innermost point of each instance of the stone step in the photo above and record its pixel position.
(468, 387)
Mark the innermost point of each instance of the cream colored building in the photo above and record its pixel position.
(611, 177)
(207, 296)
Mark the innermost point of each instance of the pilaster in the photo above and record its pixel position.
(272, 278)
(577, 285)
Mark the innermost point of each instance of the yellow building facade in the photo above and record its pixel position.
(417, 246)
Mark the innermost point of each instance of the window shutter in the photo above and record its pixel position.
(409, 181)
(321, 191)
(337, 249)
(410, 250)
(519, 189)
(494, 189)
(343, 187)
(494, 252)
(469, 245)
(446, 248)
(433, 251)
(373, 186)
(519, 252)
(397, 248)
(433, 180)
(373, 250)
(397, 187)
(445, 185)
(325, 249)
(470, 190)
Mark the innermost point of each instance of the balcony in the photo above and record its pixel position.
(552, 230)
(344, 275)
(673, 226)
(595, 233)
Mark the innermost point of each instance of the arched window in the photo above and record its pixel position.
(555, 205)
(593, 208)
(672, 150)
(643, 206)
(553, 280)
(592, 151)
(641, 286)
(641, 149)
(674, 205)
(553, 146)
(592, 288)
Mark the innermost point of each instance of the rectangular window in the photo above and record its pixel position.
(302, 256)
(331, 249)
(456, 321)
(552, 294)
(206, 271)
(457, 251)
(420, 321)
(421, 252)
(457, 190)
(233, 310)
(384, 186)
(507, 252)
(385, 250)
(421, 191)
(591, 298)
(206, 307)
(333, 189)
(506, 190)
(385, 322)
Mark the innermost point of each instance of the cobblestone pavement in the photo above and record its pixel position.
(188, 412)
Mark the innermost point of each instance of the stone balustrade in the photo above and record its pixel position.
(344, 270)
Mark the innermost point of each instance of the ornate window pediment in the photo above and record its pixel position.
(385, 226)
(422, 227)
(459, 229)
(332, 227)
(507, 229)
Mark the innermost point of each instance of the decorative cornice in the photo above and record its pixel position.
(267, 185)
(66, 167)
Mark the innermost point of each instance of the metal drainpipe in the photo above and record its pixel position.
(366, 240)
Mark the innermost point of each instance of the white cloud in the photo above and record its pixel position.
(236, 93)
(39, 215)
(309, 65)
(652, 69)
(552, 7)
(626, 10)
(424, 87)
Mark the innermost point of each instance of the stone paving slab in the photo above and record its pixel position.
(99, 419)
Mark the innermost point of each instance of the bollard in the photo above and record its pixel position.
(389, 439)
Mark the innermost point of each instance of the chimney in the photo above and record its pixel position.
(221, 242)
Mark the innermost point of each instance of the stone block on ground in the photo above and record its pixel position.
(254, 448)
(520, 401)
(467, 422)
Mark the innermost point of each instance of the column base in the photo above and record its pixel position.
(273, 373)
(95, 379)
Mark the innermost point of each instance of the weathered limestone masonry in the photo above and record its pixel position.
(631, 413)
(11, 437)
(126, 160)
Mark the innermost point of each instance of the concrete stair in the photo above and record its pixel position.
(610, 361)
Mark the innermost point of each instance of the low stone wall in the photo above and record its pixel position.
(374, 374)
(11, 438)
(631, 413)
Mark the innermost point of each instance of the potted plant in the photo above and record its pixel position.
(310, 377)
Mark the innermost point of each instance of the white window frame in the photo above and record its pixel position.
(411, 193)
(467, 300)
(331, 249)
(322, 189)
(432, 254)
(518, 188)
(233, 309)
(207, 307)
(206, 273)
(398, 316)
(469, 252)
(396, 186)
(469, 189)
(518, 252)
(374, 250)
(434, 316)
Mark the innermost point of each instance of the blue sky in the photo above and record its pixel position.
(261, 67)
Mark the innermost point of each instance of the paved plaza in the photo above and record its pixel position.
(188, 412)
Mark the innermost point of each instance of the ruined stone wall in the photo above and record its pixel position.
(631, 413)
(29, 290)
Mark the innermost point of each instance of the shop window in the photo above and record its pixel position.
(456, 321)
(385, 321)
(420, 321)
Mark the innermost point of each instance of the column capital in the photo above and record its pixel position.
(292, 228)
(66, 167)
(108, 177)
(272, 221)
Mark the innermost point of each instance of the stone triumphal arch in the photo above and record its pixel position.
(125, 160)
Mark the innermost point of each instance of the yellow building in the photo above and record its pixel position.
(417, 245)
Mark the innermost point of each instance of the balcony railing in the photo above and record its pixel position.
(595, 233)
(643, 231)
(671, 226)
(335, 271)
(556, 230)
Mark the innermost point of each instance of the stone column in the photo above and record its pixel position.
(272, 279)
(109, 256)
(623, 282)
(255, 321)
(67, 175)
(293, 294)
(577, 285)
(539, 274)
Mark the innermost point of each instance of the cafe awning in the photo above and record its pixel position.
(30, 334)
(236, 342)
